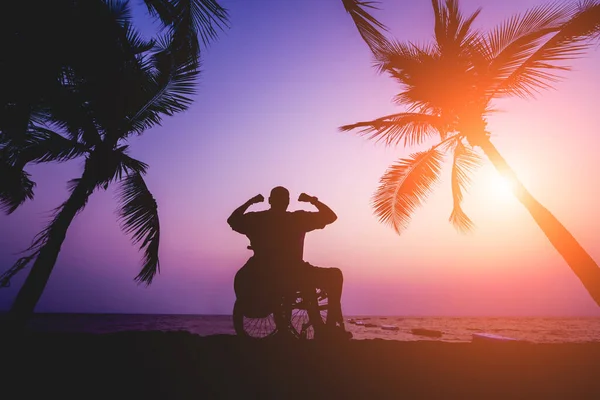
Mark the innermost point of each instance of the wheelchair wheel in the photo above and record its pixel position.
(253, 326)
(309, 314)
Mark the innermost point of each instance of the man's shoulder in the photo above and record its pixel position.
(254, 215)
(303, 212)
(298, 212)
(255, 212)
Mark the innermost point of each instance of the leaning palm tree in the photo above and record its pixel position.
(29, 91)
(449, 88)
(97, 107)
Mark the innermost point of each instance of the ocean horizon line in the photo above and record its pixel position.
(348, 316)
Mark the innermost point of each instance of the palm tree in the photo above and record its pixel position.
(448, 88)
(71, 41)
(131, 86)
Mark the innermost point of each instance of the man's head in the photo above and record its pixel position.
(279, 199)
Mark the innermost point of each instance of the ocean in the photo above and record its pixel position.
(458, 329)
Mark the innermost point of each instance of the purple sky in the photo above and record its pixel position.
(275, 87)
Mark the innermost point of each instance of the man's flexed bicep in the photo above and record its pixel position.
(317, 220)
(238, 221)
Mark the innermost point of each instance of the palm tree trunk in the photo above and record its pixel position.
(31, 291)
(576, 257)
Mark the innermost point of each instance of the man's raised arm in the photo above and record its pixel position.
(326, 214)
(236, 219)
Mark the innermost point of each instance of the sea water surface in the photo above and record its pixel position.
(454, 329)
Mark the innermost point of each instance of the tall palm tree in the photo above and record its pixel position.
(70, 40)
(449, 87)
(132, 85)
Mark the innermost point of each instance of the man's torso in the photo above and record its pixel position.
(276, 237)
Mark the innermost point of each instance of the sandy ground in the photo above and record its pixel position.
(179, 365)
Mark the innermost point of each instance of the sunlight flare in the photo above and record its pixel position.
(501, 187)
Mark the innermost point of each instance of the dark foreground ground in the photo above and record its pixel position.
(179, 365)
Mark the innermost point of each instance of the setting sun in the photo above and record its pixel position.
(501, 187)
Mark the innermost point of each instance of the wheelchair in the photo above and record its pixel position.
(298, 314)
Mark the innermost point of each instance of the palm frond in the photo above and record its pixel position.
(164, 10)
(131, 165)
(168, 92)
(406, 128)
(369, 28)
(45, 145)
(119, 11)
(138, 215)
(405, 186)
(508, 46)
(430, 80)
(511, 35)
(413, 67)
(401, 59)
(536, 72)
(188, 19)
(466, 35)
(204, 17)
(466, 160)
(135, 42)
(15, 187)
(111, 166)
(453, 32)
(72, 112)
(587, 14)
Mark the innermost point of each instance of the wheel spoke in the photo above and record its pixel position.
(295, 314)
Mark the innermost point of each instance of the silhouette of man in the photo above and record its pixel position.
(277, 239)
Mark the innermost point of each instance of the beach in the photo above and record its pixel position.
(181, 365)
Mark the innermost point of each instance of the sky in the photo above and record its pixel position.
(274, 89)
